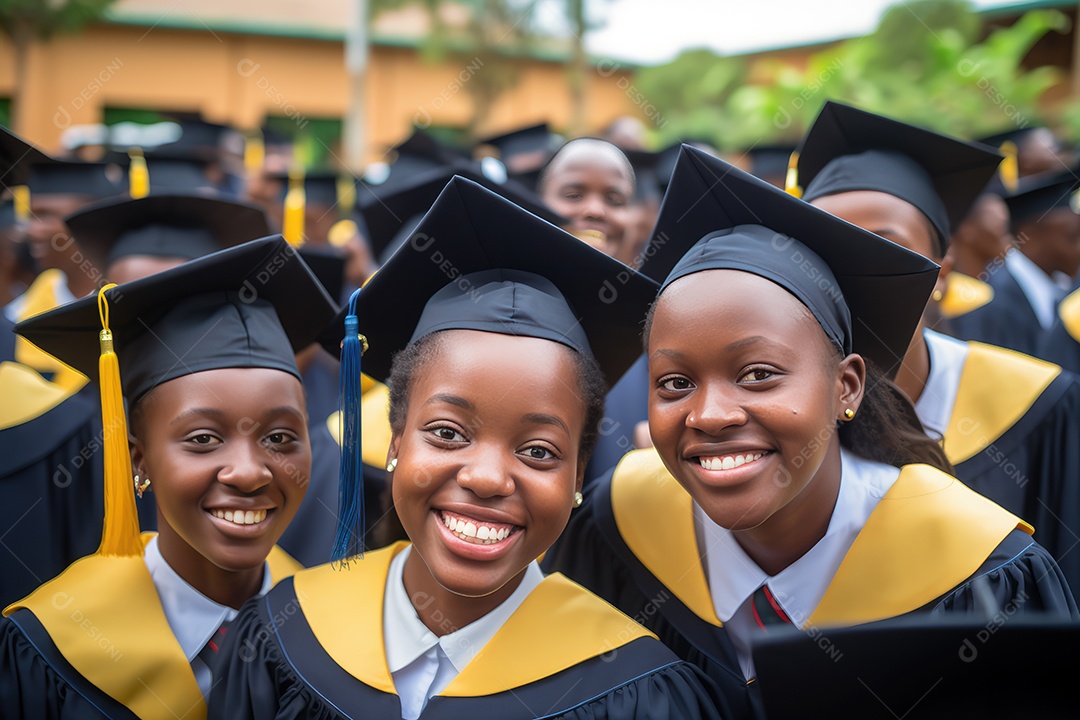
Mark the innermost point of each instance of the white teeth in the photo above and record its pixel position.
(241, 517)
(728, 462)
(482, 534)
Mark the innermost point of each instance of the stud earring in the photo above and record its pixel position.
(392, 465)
(140, 487)
(578, 499)
(849, 413)
(937, 295)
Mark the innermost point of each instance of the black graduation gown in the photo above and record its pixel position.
(919, 552)
(1007, 321)
(95, 643)
(626, 405)
(1061, 343)
(1014, 436)
(50, 479)
(312, 648)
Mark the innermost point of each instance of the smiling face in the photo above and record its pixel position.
(745, 396)
(229, 458)
(489, 459)
(591, 185)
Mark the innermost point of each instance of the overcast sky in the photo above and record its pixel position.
(655, 31)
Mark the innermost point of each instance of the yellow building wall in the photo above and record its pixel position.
(239, 78)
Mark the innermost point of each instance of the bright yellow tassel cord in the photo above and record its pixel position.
(120, 532)
(1009, 169)
(292, 224)
(791, 182)
(254, 152)
(21, 195)
(138, 175)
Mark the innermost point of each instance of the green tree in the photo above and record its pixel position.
(25, 21)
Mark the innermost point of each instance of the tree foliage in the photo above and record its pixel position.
(926, 63)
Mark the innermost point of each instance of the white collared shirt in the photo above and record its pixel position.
(733, 576)
(193, 617)
(1043, 292)
(421, 663)
(935, 405)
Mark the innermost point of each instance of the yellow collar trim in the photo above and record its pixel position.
(375, 430)
(643, 490)
(997, 387)
(41, 297)
(1069, 311)
(963, 294)
(27, 395)
(560, 623)
(105, 617)
(926, 536)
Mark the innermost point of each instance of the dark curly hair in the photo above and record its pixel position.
(408, 362)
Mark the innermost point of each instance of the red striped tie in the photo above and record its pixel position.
(209, 653)
(766, 610)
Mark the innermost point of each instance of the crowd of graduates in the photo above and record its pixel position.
(540, 427)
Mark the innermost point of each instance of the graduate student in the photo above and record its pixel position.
(1007, 422)
(1061, 344)
(497, 373)
(218, 433)
(977, 250)
(791, 481)
(1037, 272)
(590, 182)
(50, 448)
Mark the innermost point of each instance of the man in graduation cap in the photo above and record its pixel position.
(1037, 272)
(1006, 421)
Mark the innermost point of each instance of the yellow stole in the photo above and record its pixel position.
(927, 535)
(997, 388)
(560, 623)
(41, 297)
(1069, 312)
(104, 615)
(375, 430)
(26, 394)
(963, 294)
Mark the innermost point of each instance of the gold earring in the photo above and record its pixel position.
(937, 295)
(392, 465)
(578, 499)
(849, 413)
(140, 487)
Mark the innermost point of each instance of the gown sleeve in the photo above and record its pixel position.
(32, 688)
(677, 692)
(1020, 576)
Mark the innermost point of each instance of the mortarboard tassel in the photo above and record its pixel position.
(20, 195)
(254, 151)
(349, 541)
(791, 182)
(292, 224)
(138, 175)
(120, 531)
(1009, 170)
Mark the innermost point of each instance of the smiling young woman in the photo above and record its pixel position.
(497, 355)
(791, 482)
(219, 435)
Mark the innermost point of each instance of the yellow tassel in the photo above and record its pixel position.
(20, 194)
(254, 152)
(138, 174)
(791, 182)
(1009, 170)
(292, 224)
(120, 531)
(346, 195)
(342, 232)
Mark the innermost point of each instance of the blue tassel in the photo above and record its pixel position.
(349, 541)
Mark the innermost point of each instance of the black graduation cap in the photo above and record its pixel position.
(251, 306)
(420, 152)
(475, 230)
(321, 187)
(920, 667)
(202, 138)
(328, 264)
(717, 216)
(185, 226)
(386, 210)
(770, 162)
(848, 149)
(16, 157)
(171, 170)
(646, 164)
(7, 214)
(1037, 195)
(70, 177)
(532, 145)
